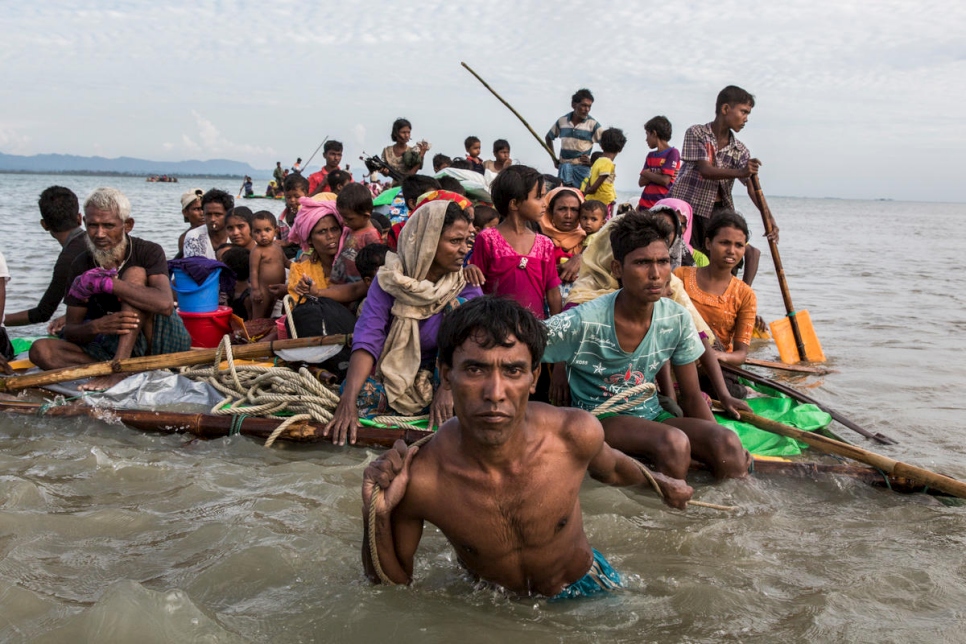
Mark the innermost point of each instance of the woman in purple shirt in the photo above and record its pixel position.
(394, 343)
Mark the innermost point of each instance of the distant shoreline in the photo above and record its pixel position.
(103, 173)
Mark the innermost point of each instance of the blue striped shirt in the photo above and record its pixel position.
(575, 140)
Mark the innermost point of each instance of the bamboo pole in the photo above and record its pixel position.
(796, 368)
(890, 466)
(163, 361)
(542, 142)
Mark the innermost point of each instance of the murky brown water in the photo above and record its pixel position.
(109, 534)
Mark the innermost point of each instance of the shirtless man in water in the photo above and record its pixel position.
(501, 479)
(119, 302)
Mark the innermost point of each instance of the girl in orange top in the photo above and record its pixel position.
(726, 303)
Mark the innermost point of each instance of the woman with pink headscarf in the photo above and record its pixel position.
(679, 214)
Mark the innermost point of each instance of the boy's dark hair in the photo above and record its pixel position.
(218, 196)
(459, 163)
(594, 156)
(613, 140)
(660, 126)
(295, 181)
(370, 258)
(439, 160)
(336, 177)
(382, 221)
(332, 145)
(242, 212)
(355, 198)
(238, 259)
(490, 321)
(59, 209)
(453, 214)
(500, 144)
(725, 219)
(470, 140)
(580, 95)
(482, 215)
(452, 184)
(376, 225)
(637, 230)
(417, 184)
(732, 95)
(397, 125)
(515, 182)
(593, 204)
(265, 215)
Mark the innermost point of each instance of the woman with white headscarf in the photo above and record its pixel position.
(394, 343)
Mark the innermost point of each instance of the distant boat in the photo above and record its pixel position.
(162, 179)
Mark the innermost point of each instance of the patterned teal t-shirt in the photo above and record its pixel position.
(597, 368)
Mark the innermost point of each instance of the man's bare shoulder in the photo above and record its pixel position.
(574, 426)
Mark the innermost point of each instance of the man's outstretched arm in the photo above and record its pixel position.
(396, 536)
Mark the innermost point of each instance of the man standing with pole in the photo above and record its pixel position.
(577, 131)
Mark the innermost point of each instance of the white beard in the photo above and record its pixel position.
(109, 258)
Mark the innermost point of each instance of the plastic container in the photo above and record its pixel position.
(207, 329)
(195, 298)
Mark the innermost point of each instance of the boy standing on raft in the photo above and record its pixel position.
(512, 469)
(712, 158)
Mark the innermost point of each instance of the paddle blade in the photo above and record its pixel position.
(781, 330)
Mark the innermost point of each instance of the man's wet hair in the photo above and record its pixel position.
(332, 145)
(452, 184)
(418, 184)
(638, 230)
(59, 208)
(218, 196)
(370, 258)
(500, 144)
(296, 181)
(661, 127)
(580, 95)
(238, 259)
(515, 182)
(733, 95)
(490, 321)
(613, 140)
(725, 219)
(356, 198)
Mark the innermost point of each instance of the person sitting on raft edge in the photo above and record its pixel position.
(120, 303)
(512, 469)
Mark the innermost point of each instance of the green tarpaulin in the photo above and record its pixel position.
(806, 417)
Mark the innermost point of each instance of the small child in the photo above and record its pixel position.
(485, 217)
(501, 150)
(592, 216)
(355, 206)
(296, 186)
(337, 180)
(452, 184)
(515, 261)
(602, 174)
(440, 162)
(369, 259)
(267, 264)
(473, 147)
(661, 165)
(238, 260)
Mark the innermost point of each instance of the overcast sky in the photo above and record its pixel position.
(854, 99)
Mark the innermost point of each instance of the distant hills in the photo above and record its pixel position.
(56, 163)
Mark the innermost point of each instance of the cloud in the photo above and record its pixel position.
(214, 144)
(12, 141)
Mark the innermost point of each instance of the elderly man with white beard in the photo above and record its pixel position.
(120, 303)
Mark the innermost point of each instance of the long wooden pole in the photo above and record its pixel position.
(316, 152)
(923, 476)
(164, 361)
(799, 396)
(766, 217)
(795, 368)
(542, 142)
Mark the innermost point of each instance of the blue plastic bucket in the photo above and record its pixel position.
(195, 298)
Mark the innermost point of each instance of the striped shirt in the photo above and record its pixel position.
(575, 140)
(700, 143)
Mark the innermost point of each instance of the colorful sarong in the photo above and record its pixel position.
(169, 336)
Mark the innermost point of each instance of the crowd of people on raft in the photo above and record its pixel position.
(455, 303)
